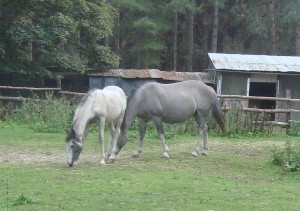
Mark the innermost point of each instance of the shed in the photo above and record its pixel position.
(258, 75)
(128, 79)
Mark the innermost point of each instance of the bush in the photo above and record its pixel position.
(49, 115)
(288, 157)
(294, 129)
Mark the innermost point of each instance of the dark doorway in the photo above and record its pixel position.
(263, 90)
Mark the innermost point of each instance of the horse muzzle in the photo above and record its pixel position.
(72, 164)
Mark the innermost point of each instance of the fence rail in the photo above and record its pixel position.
(30, 88)
(286, 111)
(239, 97)
(259, 98)
(58, 90)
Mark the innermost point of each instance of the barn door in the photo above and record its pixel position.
(263, 86)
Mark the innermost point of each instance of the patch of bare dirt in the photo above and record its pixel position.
(27, 157)
(24, 156)
(17, 156)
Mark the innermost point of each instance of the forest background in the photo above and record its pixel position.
(74, 35)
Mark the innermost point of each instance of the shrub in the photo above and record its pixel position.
(294, 129)
(6, 110)
(288, 157)
(49, 115)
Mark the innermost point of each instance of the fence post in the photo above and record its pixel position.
(58, 81)
(288, 105)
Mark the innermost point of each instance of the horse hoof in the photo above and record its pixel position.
(111, 160)
(135, 155)
(194, 154)
(165, 155)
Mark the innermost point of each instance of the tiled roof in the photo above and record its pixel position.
(154, 73)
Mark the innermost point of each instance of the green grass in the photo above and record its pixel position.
(236, 175)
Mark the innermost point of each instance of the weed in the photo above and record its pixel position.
(294, 129)
(288, 157)
(22, 200)
(7, 124)
(240, 123)
(19, 200)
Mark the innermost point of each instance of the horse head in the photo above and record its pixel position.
(74, 148)
(121, 141)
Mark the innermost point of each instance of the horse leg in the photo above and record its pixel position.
(101, 139)
(111, 140)
(202, 131)
(142, 131)
(160, 131)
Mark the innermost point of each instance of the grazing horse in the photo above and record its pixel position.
(105, 106)
(171, 103)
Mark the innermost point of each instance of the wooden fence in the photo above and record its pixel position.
(286, 111)
(58, 90)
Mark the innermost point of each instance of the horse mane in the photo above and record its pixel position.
(132, 93)
(81, 103)
(70, 135)
(134, 90)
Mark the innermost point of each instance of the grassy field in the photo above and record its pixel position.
(236, 175)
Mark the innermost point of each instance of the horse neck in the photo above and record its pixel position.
(129, 117)
(130, 113)
(81, 128)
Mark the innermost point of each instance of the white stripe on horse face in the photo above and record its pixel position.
(69, 152)
(74, 149)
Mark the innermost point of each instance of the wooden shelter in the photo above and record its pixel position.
(258, 75)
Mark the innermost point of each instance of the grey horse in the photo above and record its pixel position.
(170, 103)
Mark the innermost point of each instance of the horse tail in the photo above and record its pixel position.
(218, 114)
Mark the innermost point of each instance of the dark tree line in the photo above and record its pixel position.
(72, 35)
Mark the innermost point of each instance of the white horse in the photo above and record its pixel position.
(105, 106)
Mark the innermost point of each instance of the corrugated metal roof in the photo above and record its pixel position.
(261, 63)
(155, 74)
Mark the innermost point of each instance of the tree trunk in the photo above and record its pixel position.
(298, 36)
(106, 40)
(175, 41)
(190, 37)
(272, 26)
(29, 44)
(117, 37)
(214, 34)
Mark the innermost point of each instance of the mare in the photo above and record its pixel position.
(171, 103)
(106, 106)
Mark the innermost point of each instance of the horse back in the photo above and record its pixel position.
(180, 92)
(110, 103)
(174, 102)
